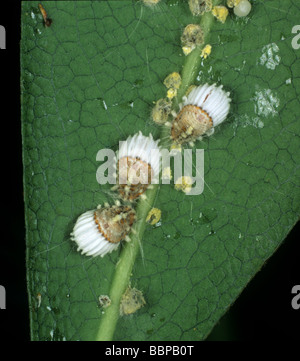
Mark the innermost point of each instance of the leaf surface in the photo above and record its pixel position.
(90, 80)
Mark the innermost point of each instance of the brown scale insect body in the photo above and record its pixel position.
(134, 177)
(114, 223)
(190, 123)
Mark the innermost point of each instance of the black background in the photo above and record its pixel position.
(262, 312)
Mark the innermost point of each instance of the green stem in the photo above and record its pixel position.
(124, 268)
(193, 60)
(129, 252)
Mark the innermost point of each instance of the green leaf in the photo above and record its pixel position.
(90, 80)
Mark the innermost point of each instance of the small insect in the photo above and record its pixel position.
(131, 301)
(191, 37)
(47, 21)
(184, 184)
(242, 9)
(153, 216)
(138, 164)
(205, 107)
(173, 80)
(104, 301)
(199, 7)
(161, 111)
(220, 12)
(206, 51)
(172, 83)
(100, 231)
